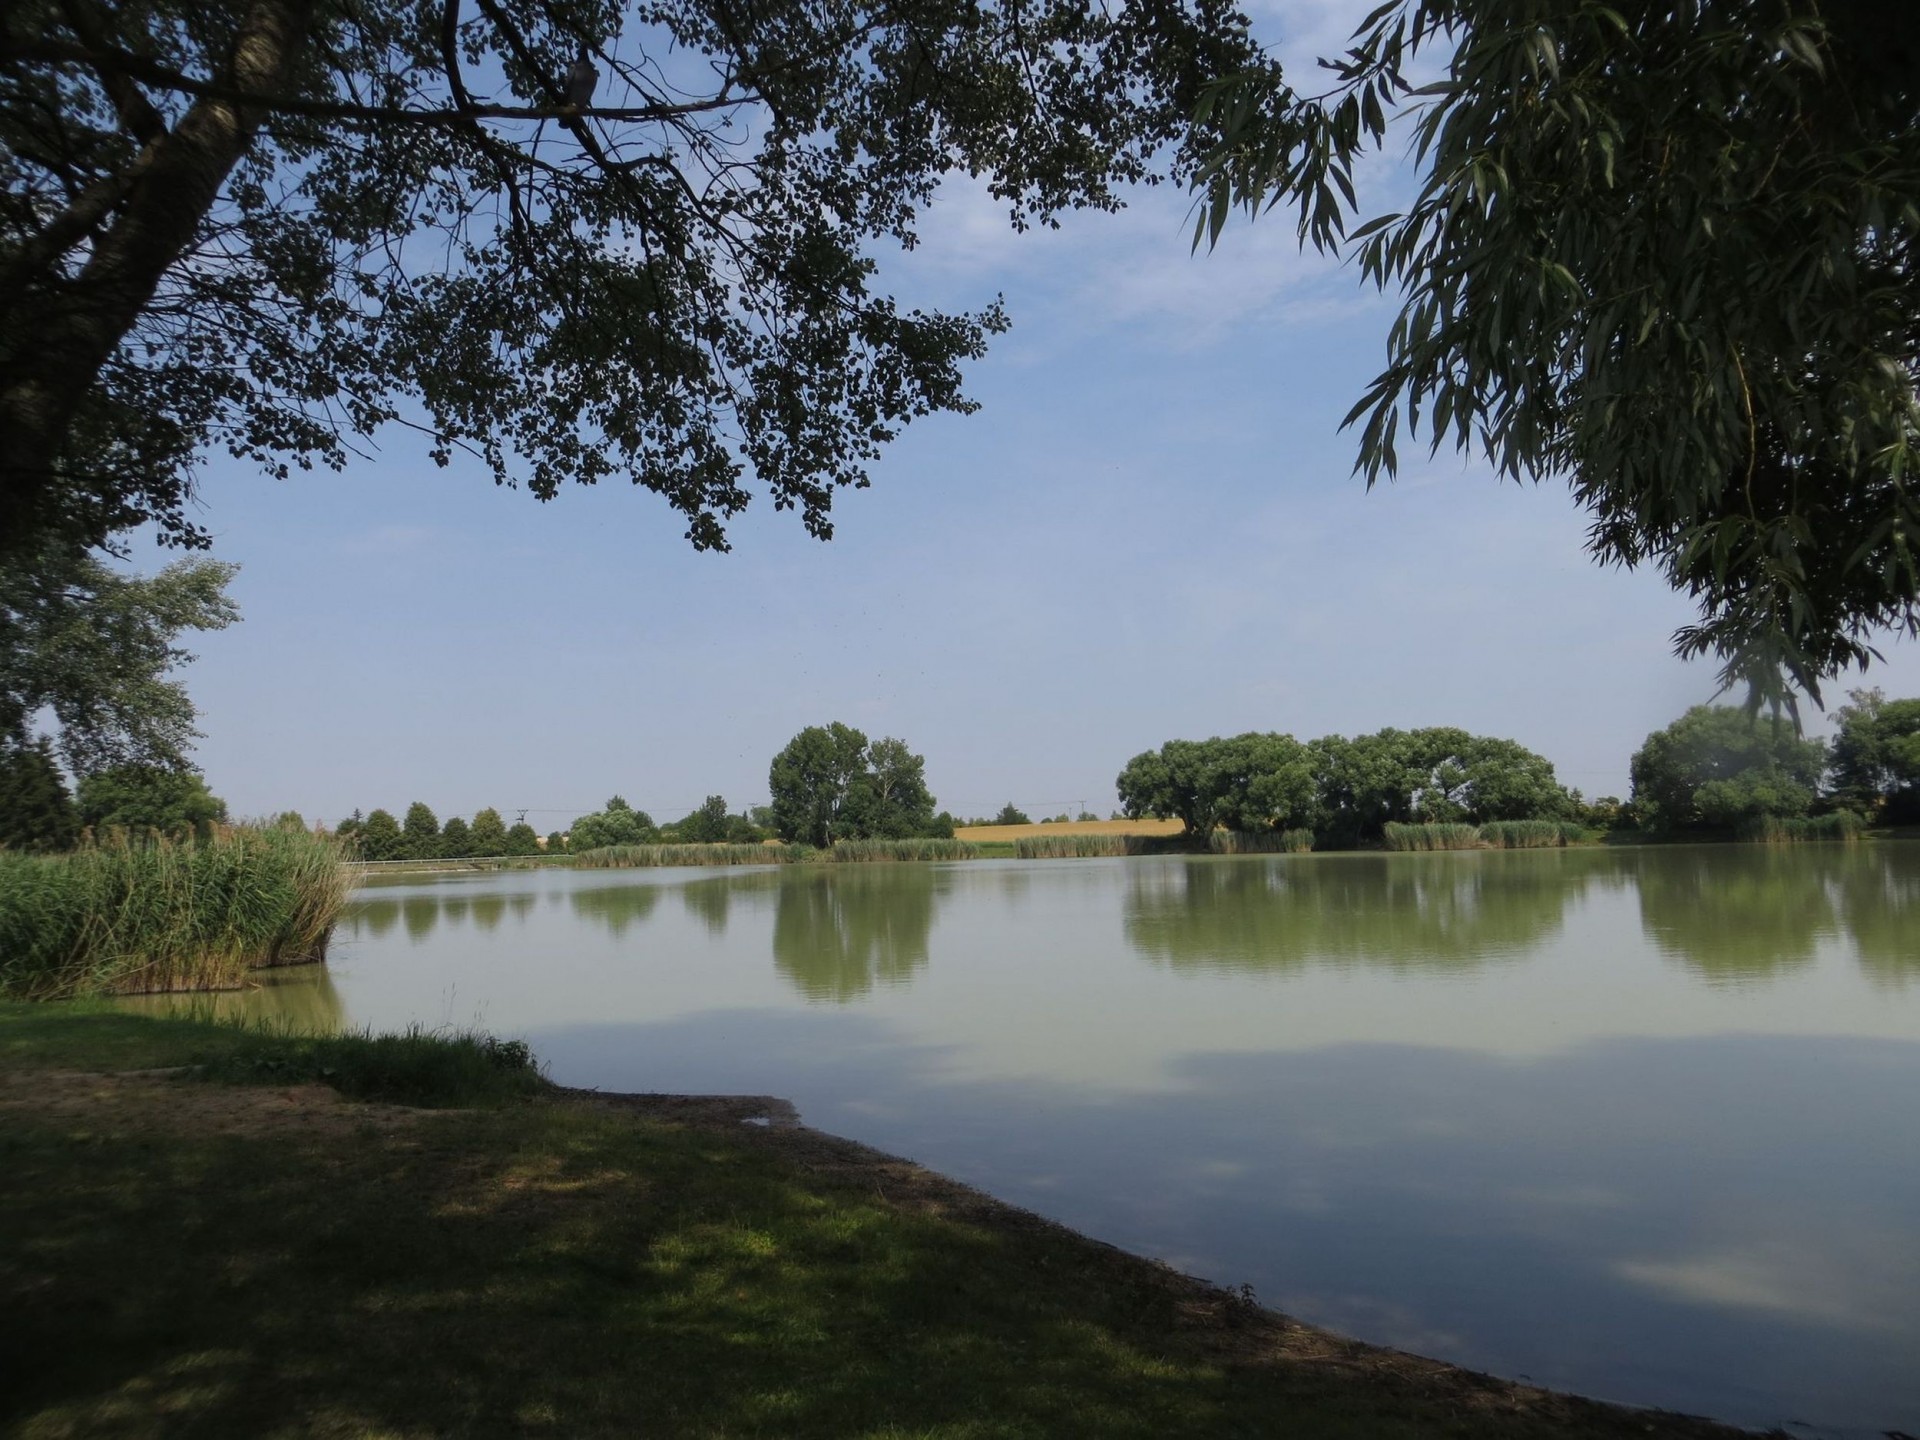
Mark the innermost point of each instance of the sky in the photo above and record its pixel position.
(1150, 530)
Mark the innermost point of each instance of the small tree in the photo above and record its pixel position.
(489, 833)
(556, 843)
(522, 839)
(1011, 814)
(290, 820)
(456, 840)
(380, 837)
(36, 813)
(420, 833)
(618, 823)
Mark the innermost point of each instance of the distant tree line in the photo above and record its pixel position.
(421, 836)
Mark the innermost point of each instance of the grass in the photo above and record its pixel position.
(1260, 842)
(1778, 830)
(1431, 837)
(865, 851)
(187, 1258)
(638, 857)
(1073, 845)
(1530, 834)
(166, 916)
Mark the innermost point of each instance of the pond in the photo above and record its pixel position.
(1641, 1124)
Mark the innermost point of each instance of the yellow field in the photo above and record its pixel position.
(1068, 827)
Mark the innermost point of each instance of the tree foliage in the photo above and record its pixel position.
(36, 812)
(419, 833)
(1664, 252)
(829, 784)
(1875, 755)
(616, 823)
(379, 837)
(488, 833)
(1718, 765)
(93, 648)
(1345, 790)
(148, 800)
(274, 226)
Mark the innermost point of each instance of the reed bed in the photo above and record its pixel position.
(866, 851)
(1432, 837)
(166, 915)
(1260, 842)
(641, 857)
(1078, 847)
(1530, 834)
(1779, 830)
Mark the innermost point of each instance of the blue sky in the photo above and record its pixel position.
(1149, 530)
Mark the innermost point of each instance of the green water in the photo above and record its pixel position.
(1642, 1124)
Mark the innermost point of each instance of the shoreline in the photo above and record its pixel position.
(550, 1242)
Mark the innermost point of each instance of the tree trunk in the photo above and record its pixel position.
(74, 328)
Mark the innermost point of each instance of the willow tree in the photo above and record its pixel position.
(1662, 251)
(275, 227)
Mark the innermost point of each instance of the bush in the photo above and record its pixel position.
(415, 1067)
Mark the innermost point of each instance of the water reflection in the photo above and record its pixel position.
(1879, 900)
(299, 997)
(1401, 912)
(711, 901)
(839, 932)
(618, 907)
(1746, 913)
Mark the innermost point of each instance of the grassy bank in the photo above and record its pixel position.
(192, 1258)
(164, 916)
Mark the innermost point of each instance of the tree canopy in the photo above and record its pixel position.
(615, 823)
(275, 226)
(1875, 755)
(1345, 790)
(829, 784)
(1720, 766)
(93, 648)
(148, 800)
(1663, 252)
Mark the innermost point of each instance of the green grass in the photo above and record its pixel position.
(1260, 842)
(165, 916)
(639, 857)
(1531, 834)
(1431, 837)
(865, 851)
(1778, 830)
(190, 1259)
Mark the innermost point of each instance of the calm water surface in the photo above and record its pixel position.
(1639, 1124)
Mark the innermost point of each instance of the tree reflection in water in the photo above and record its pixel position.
(299, 997)
(1398, 912)
(838, 931)
(618, 907)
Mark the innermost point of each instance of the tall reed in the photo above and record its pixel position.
(860, 851)
(1530, 834)
(1260, 842)
(641, 857)
(166, 915)
(1431, 837)
(1078, 847)
(1784, 830)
